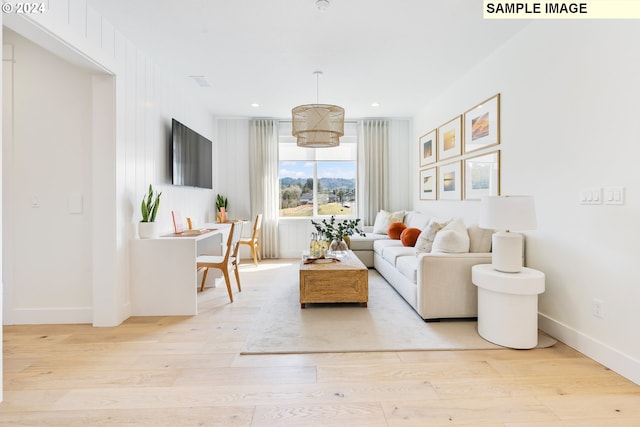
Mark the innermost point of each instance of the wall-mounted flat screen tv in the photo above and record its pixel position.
(191, 157)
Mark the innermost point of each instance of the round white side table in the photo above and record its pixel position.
(508, 305)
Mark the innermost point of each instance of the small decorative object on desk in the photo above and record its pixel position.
(335, 232)
(221, 206)
(149, 208)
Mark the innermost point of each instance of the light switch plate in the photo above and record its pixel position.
(614, 195)
(74, 203)
(591, 196)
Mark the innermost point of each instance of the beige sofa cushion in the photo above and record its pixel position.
(380, 245)
(408, 267)
(453, 238)
(415, 219)
(479, 239)
(365, 243)
(392, 253)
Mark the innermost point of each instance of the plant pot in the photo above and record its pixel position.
(223, 215)
(147, 230)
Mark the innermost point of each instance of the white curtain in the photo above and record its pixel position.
(374, 171)
(265, 193)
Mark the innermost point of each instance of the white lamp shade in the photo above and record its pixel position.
(507, 213)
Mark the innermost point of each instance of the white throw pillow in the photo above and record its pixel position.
(425, 239)
(384, 218)
(453, 238)
(479, 239)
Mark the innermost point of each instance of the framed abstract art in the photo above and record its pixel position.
(450, 181)
(450, 139)
(482, 176)
(428, 184)
(427, 146)
(482, 125)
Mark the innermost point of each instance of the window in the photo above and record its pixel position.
(317, 181)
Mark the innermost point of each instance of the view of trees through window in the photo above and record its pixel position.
(311, 188)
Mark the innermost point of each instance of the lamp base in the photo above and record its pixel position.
(507, 252)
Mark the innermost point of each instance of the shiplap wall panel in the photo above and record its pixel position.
(78, 16)
(59, 10)
(94, 26)
(129, 104)
(107, 37)
(119, 49)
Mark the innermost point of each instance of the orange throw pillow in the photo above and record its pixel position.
(395, 229)
(409, 236)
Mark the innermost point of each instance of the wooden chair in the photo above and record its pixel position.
(252, 241)
(222, 262)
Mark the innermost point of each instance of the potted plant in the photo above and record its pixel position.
(149, 208)
(337, 233)
(221, 206)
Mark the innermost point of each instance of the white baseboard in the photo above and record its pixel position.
(608, 356)
(51, 316)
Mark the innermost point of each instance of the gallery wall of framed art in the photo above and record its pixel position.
(460, 159)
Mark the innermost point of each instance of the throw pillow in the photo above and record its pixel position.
(453, 238)
(409, 236)
(479, 239)
(384, 219)
(395, 229)
(425, 239)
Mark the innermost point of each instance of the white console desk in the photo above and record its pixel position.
(163, 276)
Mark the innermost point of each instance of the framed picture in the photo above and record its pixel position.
(450, 139)
(450, 181)
(482, 176)
(428, 147)
(482, 125)
(428, 185)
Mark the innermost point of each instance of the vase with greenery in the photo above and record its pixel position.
(337, 232)
(221, 206)
(149, 209)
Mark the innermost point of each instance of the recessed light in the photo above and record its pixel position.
(255, 105)
(375, 104)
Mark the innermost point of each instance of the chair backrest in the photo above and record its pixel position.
(256, 227)
(227, 252)
(234, 237)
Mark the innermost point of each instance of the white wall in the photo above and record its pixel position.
(50, 165)
(146, 98)
(568, 120)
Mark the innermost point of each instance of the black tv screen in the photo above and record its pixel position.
(191, 157)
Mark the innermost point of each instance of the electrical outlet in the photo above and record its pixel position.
(597, 308)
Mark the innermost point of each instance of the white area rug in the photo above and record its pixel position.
(387, 324)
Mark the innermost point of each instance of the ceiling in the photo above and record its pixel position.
(397, 53)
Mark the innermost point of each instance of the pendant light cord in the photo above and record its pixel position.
(318, 74)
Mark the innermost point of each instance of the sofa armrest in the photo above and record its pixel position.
(444, 288)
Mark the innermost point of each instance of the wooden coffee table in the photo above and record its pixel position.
(342, 281)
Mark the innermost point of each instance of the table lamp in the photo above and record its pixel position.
(505, 214)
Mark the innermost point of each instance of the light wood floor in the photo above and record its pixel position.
(187, 371)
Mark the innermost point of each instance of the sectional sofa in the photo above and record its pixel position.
(436, 283)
